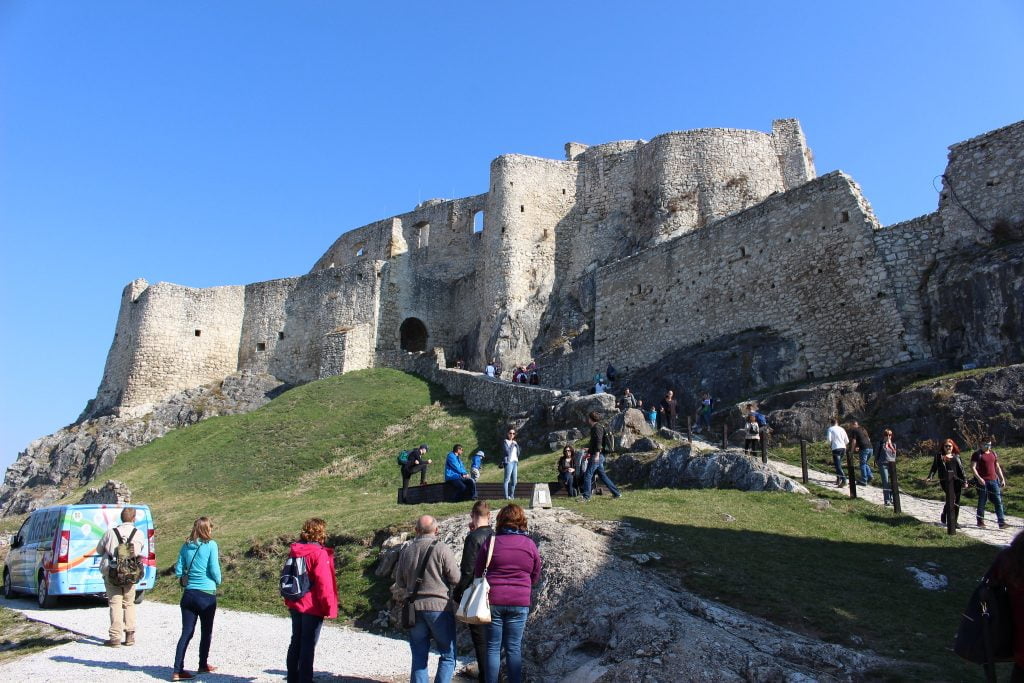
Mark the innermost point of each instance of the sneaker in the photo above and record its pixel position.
(981, 524)
(617, 495)
(861, 483)
(841, 483)
(1003, 525)
(181, 676)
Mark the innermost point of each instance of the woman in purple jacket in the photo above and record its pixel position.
(514, 569)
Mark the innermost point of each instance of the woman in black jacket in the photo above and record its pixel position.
(949, 467)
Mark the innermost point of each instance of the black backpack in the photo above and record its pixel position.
(294, 579)
(607, 441)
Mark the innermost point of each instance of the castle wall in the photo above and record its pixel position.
(802, 266)
(121, 356)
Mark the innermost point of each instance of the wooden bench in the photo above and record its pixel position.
(440, 493)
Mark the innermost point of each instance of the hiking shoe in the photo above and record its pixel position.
(841, 483)
(206, 669)
(181, 676)
(129, 638)
(617, 495)
(1003, 525)
(113, 642)
(981, 524)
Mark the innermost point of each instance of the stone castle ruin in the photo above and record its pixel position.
(634, 253)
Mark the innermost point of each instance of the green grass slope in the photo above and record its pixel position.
(327, 449)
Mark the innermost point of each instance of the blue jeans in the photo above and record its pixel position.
(991, 488)
(865, 468)
(838, 455)
(588, 480)
(441, 627)
(568, 480)
(511, 479)
(507, 625)
(195, 605)
(883, 474)
(305, 634)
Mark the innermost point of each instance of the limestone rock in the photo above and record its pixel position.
(678, 468)
(671, 434)
(114, 492)
(646, 445)
(558, 440)
(631, 421)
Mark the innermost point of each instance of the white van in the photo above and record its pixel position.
(54, 552)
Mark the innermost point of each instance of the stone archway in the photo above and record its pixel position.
(413, 335)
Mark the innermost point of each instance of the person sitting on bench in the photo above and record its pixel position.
(456, 476)
(416, 462)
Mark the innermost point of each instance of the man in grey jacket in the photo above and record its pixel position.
(428, 568)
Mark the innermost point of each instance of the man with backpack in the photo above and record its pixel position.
(601, 444)
(411, 462)
(121, 550)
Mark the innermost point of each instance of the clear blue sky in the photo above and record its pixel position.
(231, 142)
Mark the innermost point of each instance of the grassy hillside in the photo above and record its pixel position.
(327, 449)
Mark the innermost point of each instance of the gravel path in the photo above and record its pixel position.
(927, 511)
(246, 647)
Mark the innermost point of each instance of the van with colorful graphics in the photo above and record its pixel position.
(54, 552)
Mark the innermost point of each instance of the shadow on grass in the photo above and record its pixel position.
(857, 594)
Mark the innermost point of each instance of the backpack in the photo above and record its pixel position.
(403, 459)
(294, 579)
(607, 441)
(125, 568)
(985, 634)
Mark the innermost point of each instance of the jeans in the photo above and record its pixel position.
(464, 489)
(704, 421)
(568, 480)
(883, 474)
(991, 488)
(511, 479)
(838, 456)
(441, 627)
(305, 634)
(507, 625)
(597, 472)
(865, 468)
(195, 604)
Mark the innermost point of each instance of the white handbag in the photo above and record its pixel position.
(475, 606)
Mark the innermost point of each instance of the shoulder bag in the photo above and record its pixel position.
(183, 579)
(475, 607)
(409, 606)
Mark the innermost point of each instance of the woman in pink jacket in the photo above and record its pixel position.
(309, 611)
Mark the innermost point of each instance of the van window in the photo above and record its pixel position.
(45, 528)
(26, 528)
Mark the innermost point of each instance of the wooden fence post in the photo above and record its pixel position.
(803, 459)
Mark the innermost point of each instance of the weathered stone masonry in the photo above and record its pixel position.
(624, 252)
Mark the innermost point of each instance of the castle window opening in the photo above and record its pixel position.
(280, 335)
(478, 222)
(261, 346)
(743, 252)
(413, 335)
(198, 332)
(844, 217)
(563, 190)
(422, 234)
(522, 209)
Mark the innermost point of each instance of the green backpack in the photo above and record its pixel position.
(125, 568)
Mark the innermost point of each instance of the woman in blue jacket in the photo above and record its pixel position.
(198, 571)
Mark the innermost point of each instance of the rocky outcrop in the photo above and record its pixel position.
(703, 467)
(114, 492)
(53, 465)
(671, 634)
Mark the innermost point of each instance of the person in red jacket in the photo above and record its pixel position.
(309, 611)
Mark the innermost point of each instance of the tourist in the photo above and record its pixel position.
(580, 460)
(951, 475)
(514, 569)
(991, 480)
(652, 416)
(435, 612)
(567, 470)
(198, 570)
(415, 462)
(532, 371)
(479, 531)
(612, 374)
(668, 410)
(321, 602)
(510, 449)
(1008, 570)
(628, 400)
(861, 443)
(762, 421)
(707, 406)
(490, 370)
(120, 599)
(885, 454)
(751, 435)
(595, 467)
(497, 367)
(600, 387)
(476, 464)
(456, 476)
(838, 440)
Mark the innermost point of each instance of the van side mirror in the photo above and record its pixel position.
(15, 542)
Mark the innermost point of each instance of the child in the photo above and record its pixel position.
(652, 416)
(476, 464)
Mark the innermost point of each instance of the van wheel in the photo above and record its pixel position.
(8, 586)
(43, 596)
(139, 597)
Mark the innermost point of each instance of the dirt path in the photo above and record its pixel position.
(246, 647)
